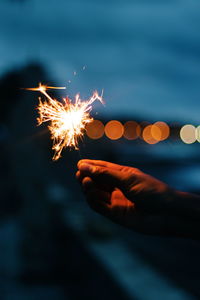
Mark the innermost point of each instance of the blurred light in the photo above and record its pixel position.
(114, 130)
(95, 129)
(188, 134)
(164, 129)
(147, 135)
(131, 130)
(156, 133)
(143, 124)
(198, 134)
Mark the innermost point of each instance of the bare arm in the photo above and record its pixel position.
(138, 201)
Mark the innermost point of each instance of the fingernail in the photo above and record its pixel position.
(87, 168)
(81, 161)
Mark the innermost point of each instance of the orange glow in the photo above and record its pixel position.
(131, 130)
(156, 132)
(43, 88)
(67, 120)
(114, 130)
(95, 129)
(142, 126)
(164, 130)
(147, 135)
(188, 134)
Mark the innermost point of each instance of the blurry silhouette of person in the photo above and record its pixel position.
(138, 201)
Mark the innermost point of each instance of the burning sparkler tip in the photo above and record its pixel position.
(67, 120)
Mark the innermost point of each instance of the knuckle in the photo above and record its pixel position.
(131, 171)
(136, 171)
(101, 171)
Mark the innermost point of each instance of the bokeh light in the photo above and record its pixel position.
(164, 130)
(114, 130)
(198, 134)
(131, 130)
(156, 132)
(188, 134)
(147, 135)
(143, 124)
(95, 129)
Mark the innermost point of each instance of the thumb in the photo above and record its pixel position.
(108, 176)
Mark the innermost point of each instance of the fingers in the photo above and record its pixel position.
(79, 176)
(102, 195)
(87, 184)
(109, 178)
(103, 175)
(97, 199)
(101, 163)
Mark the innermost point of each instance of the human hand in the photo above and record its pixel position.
(128, 196)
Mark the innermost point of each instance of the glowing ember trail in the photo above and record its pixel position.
(67, 119)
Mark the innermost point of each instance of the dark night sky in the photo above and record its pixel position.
(145, 54)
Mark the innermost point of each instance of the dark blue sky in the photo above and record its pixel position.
(145, 54)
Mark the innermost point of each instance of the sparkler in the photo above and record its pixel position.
(67, 119)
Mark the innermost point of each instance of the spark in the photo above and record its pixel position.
(67, 120)
(42, 88)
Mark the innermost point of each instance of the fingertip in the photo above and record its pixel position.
(79, 163)
(78, 174)
(86, 168)
(84, 161)
(87, 183)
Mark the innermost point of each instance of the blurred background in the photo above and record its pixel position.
(145, 56)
